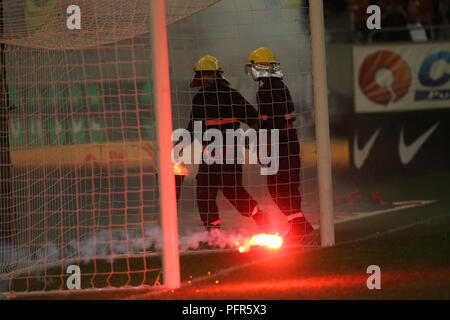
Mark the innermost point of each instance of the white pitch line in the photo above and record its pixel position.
(362, 215)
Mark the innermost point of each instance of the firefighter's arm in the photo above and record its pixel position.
(290, 106)
(244, 111)
(190, 129)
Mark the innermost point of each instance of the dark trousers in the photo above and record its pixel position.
(178, 184)
(284, 186)
(228, 179)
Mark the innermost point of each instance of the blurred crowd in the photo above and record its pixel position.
(401, 20)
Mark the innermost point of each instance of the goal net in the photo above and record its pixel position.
(79, 173)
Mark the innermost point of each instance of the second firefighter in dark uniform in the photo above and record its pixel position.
(276, 111)
(218, 106)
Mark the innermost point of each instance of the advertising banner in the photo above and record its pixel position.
(401, 77)
(400, 143)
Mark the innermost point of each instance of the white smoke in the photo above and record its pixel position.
(110, 245)
(214, 239)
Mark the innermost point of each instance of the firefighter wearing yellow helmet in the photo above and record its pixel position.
(207, 63)
(218, 106)
(276, 111)
(207, 67)
(262, 64)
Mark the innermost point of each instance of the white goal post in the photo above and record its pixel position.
(322, 123)
(168, 202)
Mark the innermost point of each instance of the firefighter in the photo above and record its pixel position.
(218, 106)
(276, 111)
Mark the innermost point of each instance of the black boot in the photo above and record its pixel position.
(262, 220)
(298, 228)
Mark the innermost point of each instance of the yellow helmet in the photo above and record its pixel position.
(207, 63)
(261, 55)
(262, 64)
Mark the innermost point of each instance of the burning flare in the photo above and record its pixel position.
(180, 170)
(271, 241)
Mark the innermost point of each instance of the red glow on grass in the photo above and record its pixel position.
(271, 241)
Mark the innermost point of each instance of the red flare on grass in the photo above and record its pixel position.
(337, 200)
(271, 241)
(355, 196)
(376, 198)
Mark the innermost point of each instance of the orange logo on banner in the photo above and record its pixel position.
(384, 94)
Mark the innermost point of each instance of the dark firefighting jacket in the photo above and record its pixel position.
(276, 111)
(276, 108)
(221, 108)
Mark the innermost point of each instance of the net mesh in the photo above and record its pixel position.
(43, 23)
(79, 177)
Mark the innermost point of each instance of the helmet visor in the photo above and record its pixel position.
(266, 70)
